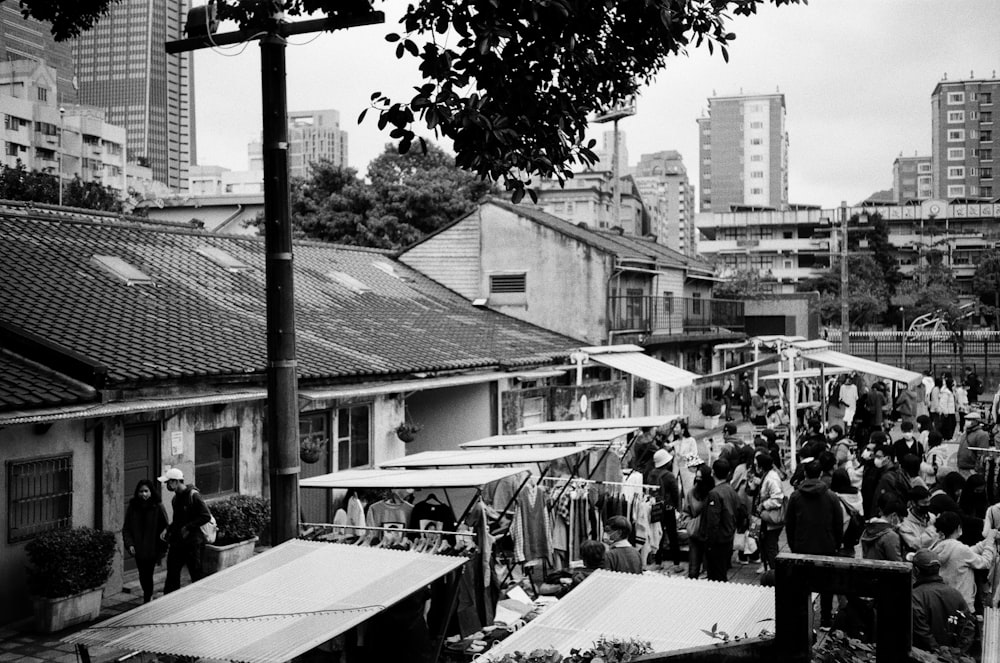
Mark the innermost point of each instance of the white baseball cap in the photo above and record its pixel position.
(172, 473)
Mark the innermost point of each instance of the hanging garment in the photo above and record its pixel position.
(530, 528)
(355, 516)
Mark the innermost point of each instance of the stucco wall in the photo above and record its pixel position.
(23, 443)
(449, 417)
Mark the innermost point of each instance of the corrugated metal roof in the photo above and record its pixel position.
(991, 635)
(100, 410)
(595, 424)
(834, 358)
(669, 612)
(451, 478)
(644, 366)
(571, 438)
(471, 457)
(273, 607)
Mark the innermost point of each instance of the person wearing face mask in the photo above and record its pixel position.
(847, 460)
(621, 555)
(908, 443)
(959, 561)
(873, 466)
(145, 520)
(917, 529)
(936, 605)
(900, 479)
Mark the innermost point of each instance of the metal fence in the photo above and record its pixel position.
(934, 351)
(674, 315)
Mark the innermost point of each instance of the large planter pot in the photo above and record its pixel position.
(712, 421)
(217, 558)
(53, 615)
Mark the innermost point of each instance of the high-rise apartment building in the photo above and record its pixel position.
(663, 183)
(312, 136)
(743, 153)
(122, 68)
(606, 151)
(911, 179)
(28, 39)
(964, 141)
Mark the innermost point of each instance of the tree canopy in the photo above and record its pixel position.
(19, 183)
(511, 83)
(867, 291)
(986, 284)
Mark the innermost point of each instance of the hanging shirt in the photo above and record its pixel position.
(389, 514)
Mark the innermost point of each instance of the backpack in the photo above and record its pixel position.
(209, 530)
(855, 526)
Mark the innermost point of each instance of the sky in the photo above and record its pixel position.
(857, 76)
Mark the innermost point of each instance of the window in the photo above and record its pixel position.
(215, 461)
(353, 442)
(756, 125)
(955, 135)
(121, 269)
(756, 141)
(43, 94)
(756, 191)
(508, 283)
(668, 302)
(696, 303)
(986, 136)
(757, 174)
(956, 116)
(10, 149)
(956, 154)
(634, 305)
(986, 118)
(956, 97)
(924, 167)
(956, 172)
(956, 190)
(532, 411)
(987, 191)
(983, 154)
(986, 97)
(986, 173)
(756, 157)
(39, 496)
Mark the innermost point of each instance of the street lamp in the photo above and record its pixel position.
(62, 113)
(613, 115)
(845, 317)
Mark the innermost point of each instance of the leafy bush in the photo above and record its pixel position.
(711, 408)
(69, 561)
(240, 517)
(604, 650)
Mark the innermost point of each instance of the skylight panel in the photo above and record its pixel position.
(223, 259)
(390, 269)
(348, 281)
(121, 270)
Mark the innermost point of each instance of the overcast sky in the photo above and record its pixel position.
(857, 77)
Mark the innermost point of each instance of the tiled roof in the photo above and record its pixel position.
(24, 384)
(199, 319)
(624, 246)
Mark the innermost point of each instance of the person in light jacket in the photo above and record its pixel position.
(770, 499)
(958, 561)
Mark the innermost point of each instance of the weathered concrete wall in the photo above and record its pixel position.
(449, 417)
(23, 443)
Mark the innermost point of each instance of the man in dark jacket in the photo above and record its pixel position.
(881, 539)
(897, 481)
(939, 610)
(814, 525)
(719, 522)
(187, 543)
(669, 496)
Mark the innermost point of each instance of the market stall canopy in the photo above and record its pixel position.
(631, 359)
(839, 359)
(669, 612)
(592, 438)
(451, 478)
(597, 424)
(273, 607)
(483, 457)
(806, 373)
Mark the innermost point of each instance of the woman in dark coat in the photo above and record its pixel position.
(145, 519)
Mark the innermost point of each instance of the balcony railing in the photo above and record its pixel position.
(674, 315)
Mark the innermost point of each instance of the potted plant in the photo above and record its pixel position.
(241, 520)
(712, 411)
(311, 447)
(67, 574)
(407, 432)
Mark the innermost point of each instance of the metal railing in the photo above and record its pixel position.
(667, 315)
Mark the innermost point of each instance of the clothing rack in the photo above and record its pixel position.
(989, 450)
(644, 486)
(382, 528)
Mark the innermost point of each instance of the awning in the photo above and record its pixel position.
(592, 438)
(806, 373)
(634, 361)
(482, 457)
(596, 424)
(452, 478)
(273, 607)
(623, 605)
(101, 410)
(714, 377)
(403, 386)
(834, 358)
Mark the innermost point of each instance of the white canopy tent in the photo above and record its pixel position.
(632, 359)
(599, 424)
(591, 438)
(416, 479)
(482, 457)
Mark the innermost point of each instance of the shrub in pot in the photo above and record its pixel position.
(241, 520)
(407, 432)
(67, 572)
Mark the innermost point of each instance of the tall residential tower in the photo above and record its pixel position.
(964, 142)
(122, 68)
(743, 153)
(663, 182)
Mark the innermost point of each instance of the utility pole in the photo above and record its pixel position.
(845, 309)
(282, 381)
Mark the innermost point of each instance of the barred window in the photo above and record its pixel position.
(39, 496)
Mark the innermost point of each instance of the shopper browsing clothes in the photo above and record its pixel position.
(621, 555)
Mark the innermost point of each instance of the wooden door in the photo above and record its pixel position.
(142, 461)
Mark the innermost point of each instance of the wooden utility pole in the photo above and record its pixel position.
(282, 381)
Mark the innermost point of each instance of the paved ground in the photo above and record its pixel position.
(18, 643)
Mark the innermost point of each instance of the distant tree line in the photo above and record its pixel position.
(19, 183)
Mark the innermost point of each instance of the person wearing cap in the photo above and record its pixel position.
(669, 495)
(974, 436)
(936, 605)
(621, 555)
(187, 543)
(916, 529)
(718, 522)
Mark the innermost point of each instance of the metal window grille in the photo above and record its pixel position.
(507, 283)
(39, 496)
